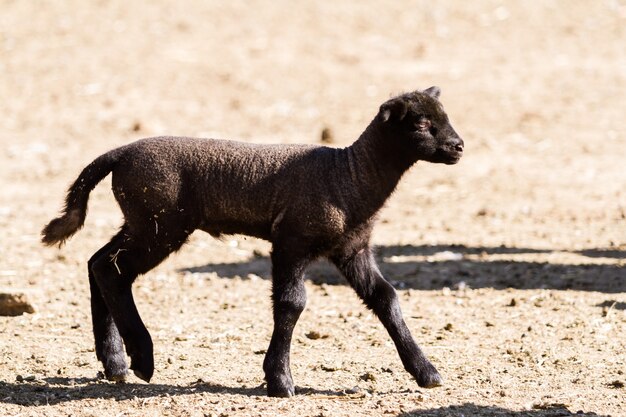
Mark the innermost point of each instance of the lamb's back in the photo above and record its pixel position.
(228, 186)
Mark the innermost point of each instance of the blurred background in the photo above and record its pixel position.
(535, 89)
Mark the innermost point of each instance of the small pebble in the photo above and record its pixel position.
(136, 127)
(461, 286)
(616, 384)
(253, 277)
(353, 390)
(368, 376)
(15, 304)
(327, 135)
(313, 335)
(329, 368)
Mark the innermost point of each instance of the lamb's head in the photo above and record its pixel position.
(420, 127)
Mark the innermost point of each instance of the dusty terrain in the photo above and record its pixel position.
(509, 265)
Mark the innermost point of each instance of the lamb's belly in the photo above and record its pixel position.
(245, 225)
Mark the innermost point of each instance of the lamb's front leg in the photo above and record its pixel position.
(364, 276)
(289, 299)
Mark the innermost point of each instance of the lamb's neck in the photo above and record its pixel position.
(375, 166)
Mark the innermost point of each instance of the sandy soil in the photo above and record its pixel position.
(509, 266)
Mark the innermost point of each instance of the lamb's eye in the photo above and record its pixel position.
(423, 125)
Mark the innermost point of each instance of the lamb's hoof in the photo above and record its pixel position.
(119, 378)
(116, 372)
(142, 376)
(430, 379)
(280, 388)
(143, 369)
(280, 393)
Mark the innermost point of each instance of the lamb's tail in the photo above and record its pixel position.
(75, 210)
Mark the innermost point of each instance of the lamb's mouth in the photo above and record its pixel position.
(452, 158)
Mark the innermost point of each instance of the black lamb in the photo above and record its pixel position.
(308, 201)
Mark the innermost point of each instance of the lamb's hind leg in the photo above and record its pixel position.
(362, 272)
(114, 272)
(108, 342)
(289, 299)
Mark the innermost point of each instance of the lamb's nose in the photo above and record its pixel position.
(458, 145)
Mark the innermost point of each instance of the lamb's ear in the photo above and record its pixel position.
(433, 91)
(394, 109)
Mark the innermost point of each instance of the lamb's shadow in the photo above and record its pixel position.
(52, 391)
(603, 253)
(435, 267)
(60, 390)
(612, 305)
(548, 410)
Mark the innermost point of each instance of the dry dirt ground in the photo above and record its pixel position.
(509, 265)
